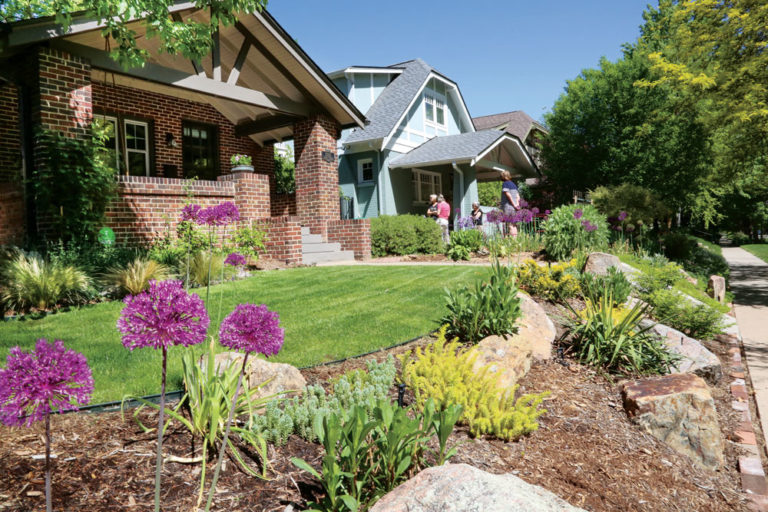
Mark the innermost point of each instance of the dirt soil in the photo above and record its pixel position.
(585, 451)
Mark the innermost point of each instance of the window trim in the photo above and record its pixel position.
(432, 99)
(360, 163)
(147, 147)
(416, 176)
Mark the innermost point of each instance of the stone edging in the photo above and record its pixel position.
(753, 480)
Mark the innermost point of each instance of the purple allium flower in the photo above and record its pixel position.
(590, 228)
(613, 220)
(219, 215)
(535, 210)
(34, 384)
(235, 259)
(616, 228)
(190, 212)
(494, 216)
(523, 203)
(630, 229)
(622, 216)
(465, 222)
(252, 328)
(547, 212)
(163, 316)
(577, 213)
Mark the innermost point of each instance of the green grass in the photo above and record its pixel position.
(759, 250)
(328, 313)
(709, 245)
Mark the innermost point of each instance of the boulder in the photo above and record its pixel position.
(598, 263)
(535, 327)
(677, 409)
(463, 488)
(282, 377)
(695, 357)
(508, 356)
(716, 288)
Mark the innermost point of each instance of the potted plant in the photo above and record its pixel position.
(241, 163)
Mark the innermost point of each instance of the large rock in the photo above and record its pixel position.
(535, 327)
(694, 356)
(598, 263)
(463, 488)
(716, 288)
(508, 356)
(677, 409)
(282, 377)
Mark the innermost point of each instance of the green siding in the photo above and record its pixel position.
(365, 195)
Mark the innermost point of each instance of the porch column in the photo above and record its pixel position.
(317, 175)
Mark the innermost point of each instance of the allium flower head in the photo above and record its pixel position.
(630, 229)
(235, 259)
(50, 378)
(547, 212)
(535, 210)
(252, 328)
(622, 216)
(219, 215)
(163, 316)
(577, 213)
(190, 212)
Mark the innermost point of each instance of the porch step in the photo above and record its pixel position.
(304, 230)
(310, 258)
(321, 247)
(311, 239)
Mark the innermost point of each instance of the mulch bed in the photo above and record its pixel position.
(585, 451)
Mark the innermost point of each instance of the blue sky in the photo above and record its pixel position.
(505, 55)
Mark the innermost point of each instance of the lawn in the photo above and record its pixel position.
(328, 313)
(759, 250)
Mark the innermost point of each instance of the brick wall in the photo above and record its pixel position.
(64, 103)
(283, 204)
(317, 181)
(283, 238)
(166, 114)
(11, 214)
(10, 134)
(251, 194)
(353, 235)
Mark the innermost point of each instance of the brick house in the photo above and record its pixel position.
(177, 119)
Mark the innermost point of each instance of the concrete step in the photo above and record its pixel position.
(325, 257)
(305, 230)
(311, 239)
(322, 247)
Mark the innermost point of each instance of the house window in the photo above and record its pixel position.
(136, 147)
(434, 110)
(424, 184)
(365, 171)
(199, 151)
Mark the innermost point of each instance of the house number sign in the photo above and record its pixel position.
(329, 157)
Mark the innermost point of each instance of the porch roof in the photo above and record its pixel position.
(489, 151)
(256, 76)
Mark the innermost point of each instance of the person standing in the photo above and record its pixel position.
(477, 215)
(443, 214)
(432, 210)
(510, 201)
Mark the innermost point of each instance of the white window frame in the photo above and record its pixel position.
(360, 164)
(436, 187)
(118, 148)
(436, 103)
(145, 151)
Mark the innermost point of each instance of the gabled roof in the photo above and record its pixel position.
(517, 123)
(389, 109)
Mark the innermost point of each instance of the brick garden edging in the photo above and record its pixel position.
(753, 480)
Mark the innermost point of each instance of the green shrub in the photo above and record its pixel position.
(564, 233)
(491, 307)
(660, 275)
(134, 278)
(739, 238)
(405, 234)
(615, 284)
(678, 246)
(248, 240)
(90, 256)
(444, 373)
(458, 252)
(696, 320)
(613, 339)
(31, 282)
(552, 282)
(705, 263)
(299, 414)
(472, 239)
(640, 204)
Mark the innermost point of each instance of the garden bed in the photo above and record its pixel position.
(585, 451)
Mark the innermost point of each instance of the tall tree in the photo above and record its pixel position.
(191, 39)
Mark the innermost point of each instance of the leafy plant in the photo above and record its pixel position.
(90, 256)
(640, 204)
(458, 252)
(696, 320)
(134, 278)
(200, 265)
(574, 227)
(405, 234)
(298, 415)
(551, 282)
(472, 239)
(249, 240)
(31, 282)
(615, 284)
(490, 307)
(445, 373)
(239, 159)
(660, 275)
(614, 340)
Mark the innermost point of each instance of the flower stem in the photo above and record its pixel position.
(48, 505)
(210, 263)
(160, 425)
(212, 490)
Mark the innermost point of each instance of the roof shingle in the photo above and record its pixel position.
(450, 147)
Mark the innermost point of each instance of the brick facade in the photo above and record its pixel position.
(353, 235)
(64, 93)
(10, 134)
(283, 204)
(11, 214)
(283, 238)
(251, 194)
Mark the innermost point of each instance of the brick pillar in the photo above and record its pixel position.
(264, 160)
(317, 180)
(251, 194)
(64, 102)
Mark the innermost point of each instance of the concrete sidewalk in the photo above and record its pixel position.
(749, 284)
